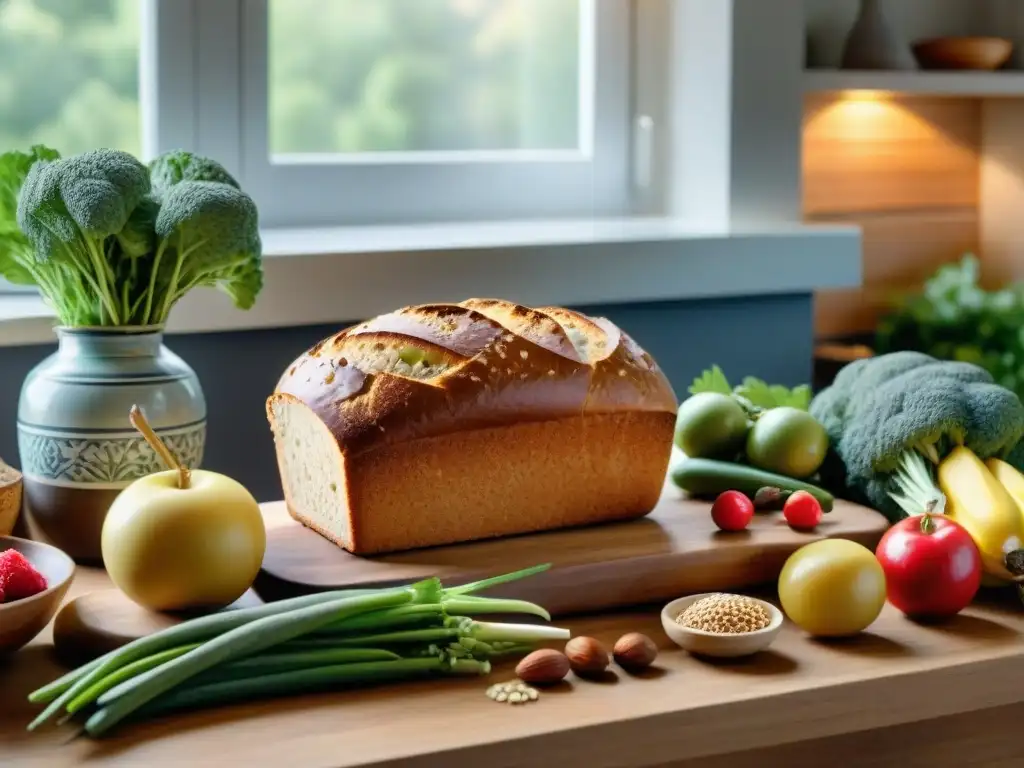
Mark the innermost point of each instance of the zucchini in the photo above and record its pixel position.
(706, 478)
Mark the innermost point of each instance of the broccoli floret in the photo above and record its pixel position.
(72, 210)
(209, 234)
(882, 411)
(178, 165)
(110, 241)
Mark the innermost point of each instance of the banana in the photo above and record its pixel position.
(1010, 479)
(979, 502)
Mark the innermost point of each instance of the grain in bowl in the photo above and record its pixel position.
(721, 625)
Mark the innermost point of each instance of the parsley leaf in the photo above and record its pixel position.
(754, 391)
(712, 380)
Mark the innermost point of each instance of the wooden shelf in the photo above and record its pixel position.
(1004, 83)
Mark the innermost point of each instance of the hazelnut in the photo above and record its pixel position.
(635, 651)
(586, 656)
(544, 667)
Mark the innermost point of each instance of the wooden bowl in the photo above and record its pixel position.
(21, 620)
(978, 53)
(10, 498)
(712, 643)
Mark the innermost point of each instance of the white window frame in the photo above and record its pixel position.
(224, 63)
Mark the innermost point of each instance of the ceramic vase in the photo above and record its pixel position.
(76, 444)
(873, 42)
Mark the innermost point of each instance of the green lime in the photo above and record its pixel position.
(787, 441)
(711, 425)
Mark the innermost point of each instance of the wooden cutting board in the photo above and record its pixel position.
(673, 551)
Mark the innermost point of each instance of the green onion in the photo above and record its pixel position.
(62, 690)
(268, 662)
(495, 581)
(127, 672)
(285, 683)
(290, 659)
(429, 635)
(318, 641)
(470, 605)
(409, 615)
(123, 699)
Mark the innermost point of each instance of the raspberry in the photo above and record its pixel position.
(18, 578)
(1, 590)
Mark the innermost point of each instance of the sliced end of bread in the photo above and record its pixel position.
(312, 470)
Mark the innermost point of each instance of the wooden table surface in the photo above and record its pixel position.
(799, 700)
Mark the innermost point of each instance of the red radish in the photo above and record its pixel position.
(802, 511)
(932, 566)
(732, 511)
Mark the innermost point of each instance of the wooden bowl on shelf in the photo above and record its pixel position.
(10, 498)
(964, 53)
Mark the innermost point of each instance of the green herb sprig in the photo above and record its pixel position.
(753, 393)
(955, 318)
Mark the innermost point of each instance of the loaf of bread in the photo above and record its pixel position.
(454, 422)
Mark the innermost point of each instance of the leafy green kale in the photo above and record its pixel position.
(753, 393)
(15, 249)
(110, 241)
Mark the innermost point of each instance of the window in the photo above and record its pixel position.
(351, 78)
(377, 111)
(336, 112)
(69, 74)
(69, 77)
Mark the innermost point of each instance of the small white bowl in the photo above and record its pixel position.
(715, 644)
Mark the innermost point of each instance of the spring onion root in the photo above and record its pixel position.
(319, 642)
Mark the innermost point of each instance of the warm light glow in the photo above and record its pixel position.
(859, 118)
(868, 115)
(865, 95)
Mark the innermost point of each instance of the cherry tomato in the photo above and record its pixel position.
(802, 511)
(932, 566)
(732, 511)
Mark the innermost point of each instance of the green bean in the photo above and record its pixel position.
(286, 683)
(125, 698)
(199, 629)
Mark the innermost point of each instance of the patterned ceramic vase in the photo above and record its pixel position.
(77, 446)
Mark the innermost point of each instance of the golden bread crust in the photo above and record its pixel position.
(439, 369)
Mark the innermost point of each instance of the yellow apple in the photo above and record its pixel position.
(171, 548)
